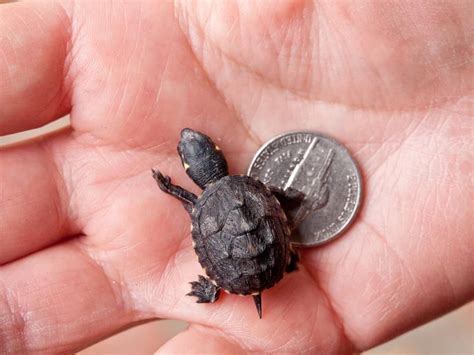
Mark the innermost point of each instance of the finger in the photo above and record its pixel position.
(409, 253)
(34, 208)
(33, 49)
(201, 340)
(296, 314)
(391, 291)
(59, 300)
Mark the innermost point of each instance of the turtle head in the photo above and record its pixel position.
(201, 157)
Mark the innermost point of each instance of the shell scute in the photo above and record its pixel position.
(218, 246)
(248, 245)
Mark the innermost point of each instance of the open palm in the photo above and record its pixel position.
(90, 245)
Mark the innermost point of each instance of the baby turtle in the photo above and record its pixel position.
(239, 229)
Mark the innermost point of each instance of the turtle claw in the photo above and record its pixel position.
(163, 181)
(204, 290)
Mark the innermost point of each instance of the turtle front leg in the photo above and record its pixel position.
(204, 290)
(164, 183)
(290, 200)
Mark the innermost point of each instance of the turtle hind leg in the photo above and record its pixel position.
(164, 183)
(204, 290)
(293, 263)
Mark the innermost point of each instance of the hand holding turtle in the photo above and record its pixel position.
(88, 243)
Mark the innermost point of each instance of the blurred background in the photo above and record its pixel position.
(451, 334)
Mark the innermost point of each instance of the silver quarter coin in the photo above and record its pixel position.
(323, 175)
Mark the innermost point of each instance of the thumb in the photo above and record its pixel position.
(200, 340)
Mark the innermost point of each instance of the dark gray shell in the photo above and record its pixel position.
(241, 235)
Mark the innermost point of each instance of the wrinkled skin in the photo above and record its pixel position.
(90, 245)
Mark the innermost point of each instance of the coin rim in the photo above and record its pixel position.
(351, 220)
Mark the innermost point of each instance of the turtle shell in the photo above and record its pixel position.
(240, 234)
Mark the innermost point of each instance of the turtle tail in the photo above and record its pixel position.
(258, 303)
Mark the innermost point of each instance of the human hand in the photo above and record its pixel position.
(90, 245)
